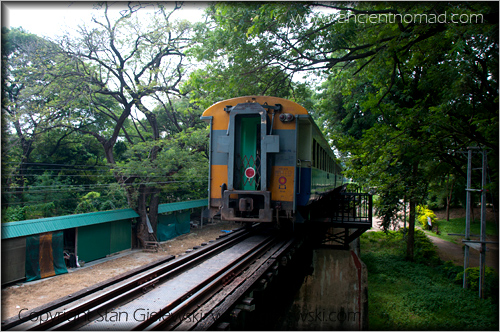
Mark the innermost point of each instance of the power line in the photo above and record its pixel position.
(71, 199)
(197, 179)
(49, 164)
(94, 175)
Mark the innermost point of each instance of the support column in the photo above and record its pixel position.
(334, 297)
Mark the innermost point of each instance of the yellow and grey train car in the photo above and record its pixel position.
(268, 160)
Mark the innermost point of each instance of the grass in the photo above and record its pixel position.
(457, 226)
(419, 295)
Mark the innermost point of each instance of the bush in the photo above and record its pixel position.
(406, 295)
(423, 213)
(490, 280)
(34, 211)
(450, 270)
(16, 213)
(424, 250)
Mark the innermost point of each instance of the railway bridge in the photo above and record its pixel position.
(256, 277)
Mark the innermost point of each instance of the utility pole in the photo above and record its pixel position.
(482, 252)
(467, 214)
(481, 244)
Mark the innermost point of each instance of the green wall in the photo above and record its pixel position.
(99, 240)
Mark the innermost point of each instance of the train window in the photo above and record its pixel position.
(321, 158)
(314, 154)
(324, 159)
(317, 156)
(304, 142)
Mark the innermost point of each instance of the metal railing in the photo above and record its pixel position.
(352, 208)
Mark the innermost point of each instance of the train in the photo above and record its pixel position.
(268, 160)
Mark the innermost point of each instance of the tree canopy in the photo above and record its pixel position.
(405, 87)
(399, 89)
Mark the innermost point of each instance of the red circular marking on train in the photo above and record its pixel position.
(250, 172)
(282, 180)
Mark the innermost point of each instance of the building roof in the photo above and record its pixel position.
(177, 206)
(37, 226)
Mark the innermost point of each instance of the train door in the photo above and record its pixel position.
(305, 157)
(246, 196)
(248, 156)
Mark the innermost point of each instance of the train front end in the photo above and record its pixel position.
(252, 158)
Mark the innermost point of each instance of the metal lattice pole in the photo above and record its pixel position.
(482, 253)
(467, 215)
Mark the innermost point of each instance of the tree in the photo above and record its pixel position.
(138, 62)
(419, 114)
(401, 97)
(37, 109)
(22, 54)
(234, 65)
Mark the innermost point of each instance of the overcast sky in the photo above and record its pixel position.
(52, 19)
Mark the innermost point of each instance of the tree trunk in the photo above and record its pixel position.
(411, 232)
(147, 208)
(411, 225)
(448, 201)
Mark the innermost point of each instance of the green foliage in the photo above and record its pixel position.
(450, 270)
(423, 213)
(490, 280)
(33, 211)
(95, 108)
(237, 60)
(394, 243)
(407, 295)
(457, 226)
(88, 203)
(12, 213)
(397, 100)
(425, 251)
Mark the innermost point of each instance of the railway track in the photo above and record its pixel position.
(191, 292)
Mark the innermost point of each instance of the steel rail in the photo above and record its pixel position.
(206, 289)
(134, 288)
(226, 298)
(46, 308)
(135, 283)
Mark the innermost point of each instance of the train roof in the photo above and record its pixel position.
(288, 105)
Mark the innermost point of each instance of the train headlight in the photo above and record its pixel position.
(286, 117)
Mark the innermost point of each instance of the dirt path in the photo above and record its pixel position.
(33, 294)
(448, 251)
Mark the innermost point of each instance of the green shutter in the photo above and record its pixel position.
(94, 242)
(121, 235)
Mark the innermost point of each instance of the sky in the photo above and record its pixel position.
(53, 19)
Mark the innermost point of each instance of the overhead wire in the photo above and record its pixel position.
(90, 171)
(77, 186)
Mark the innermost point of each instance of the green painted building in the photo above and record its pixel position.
(34, 249)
